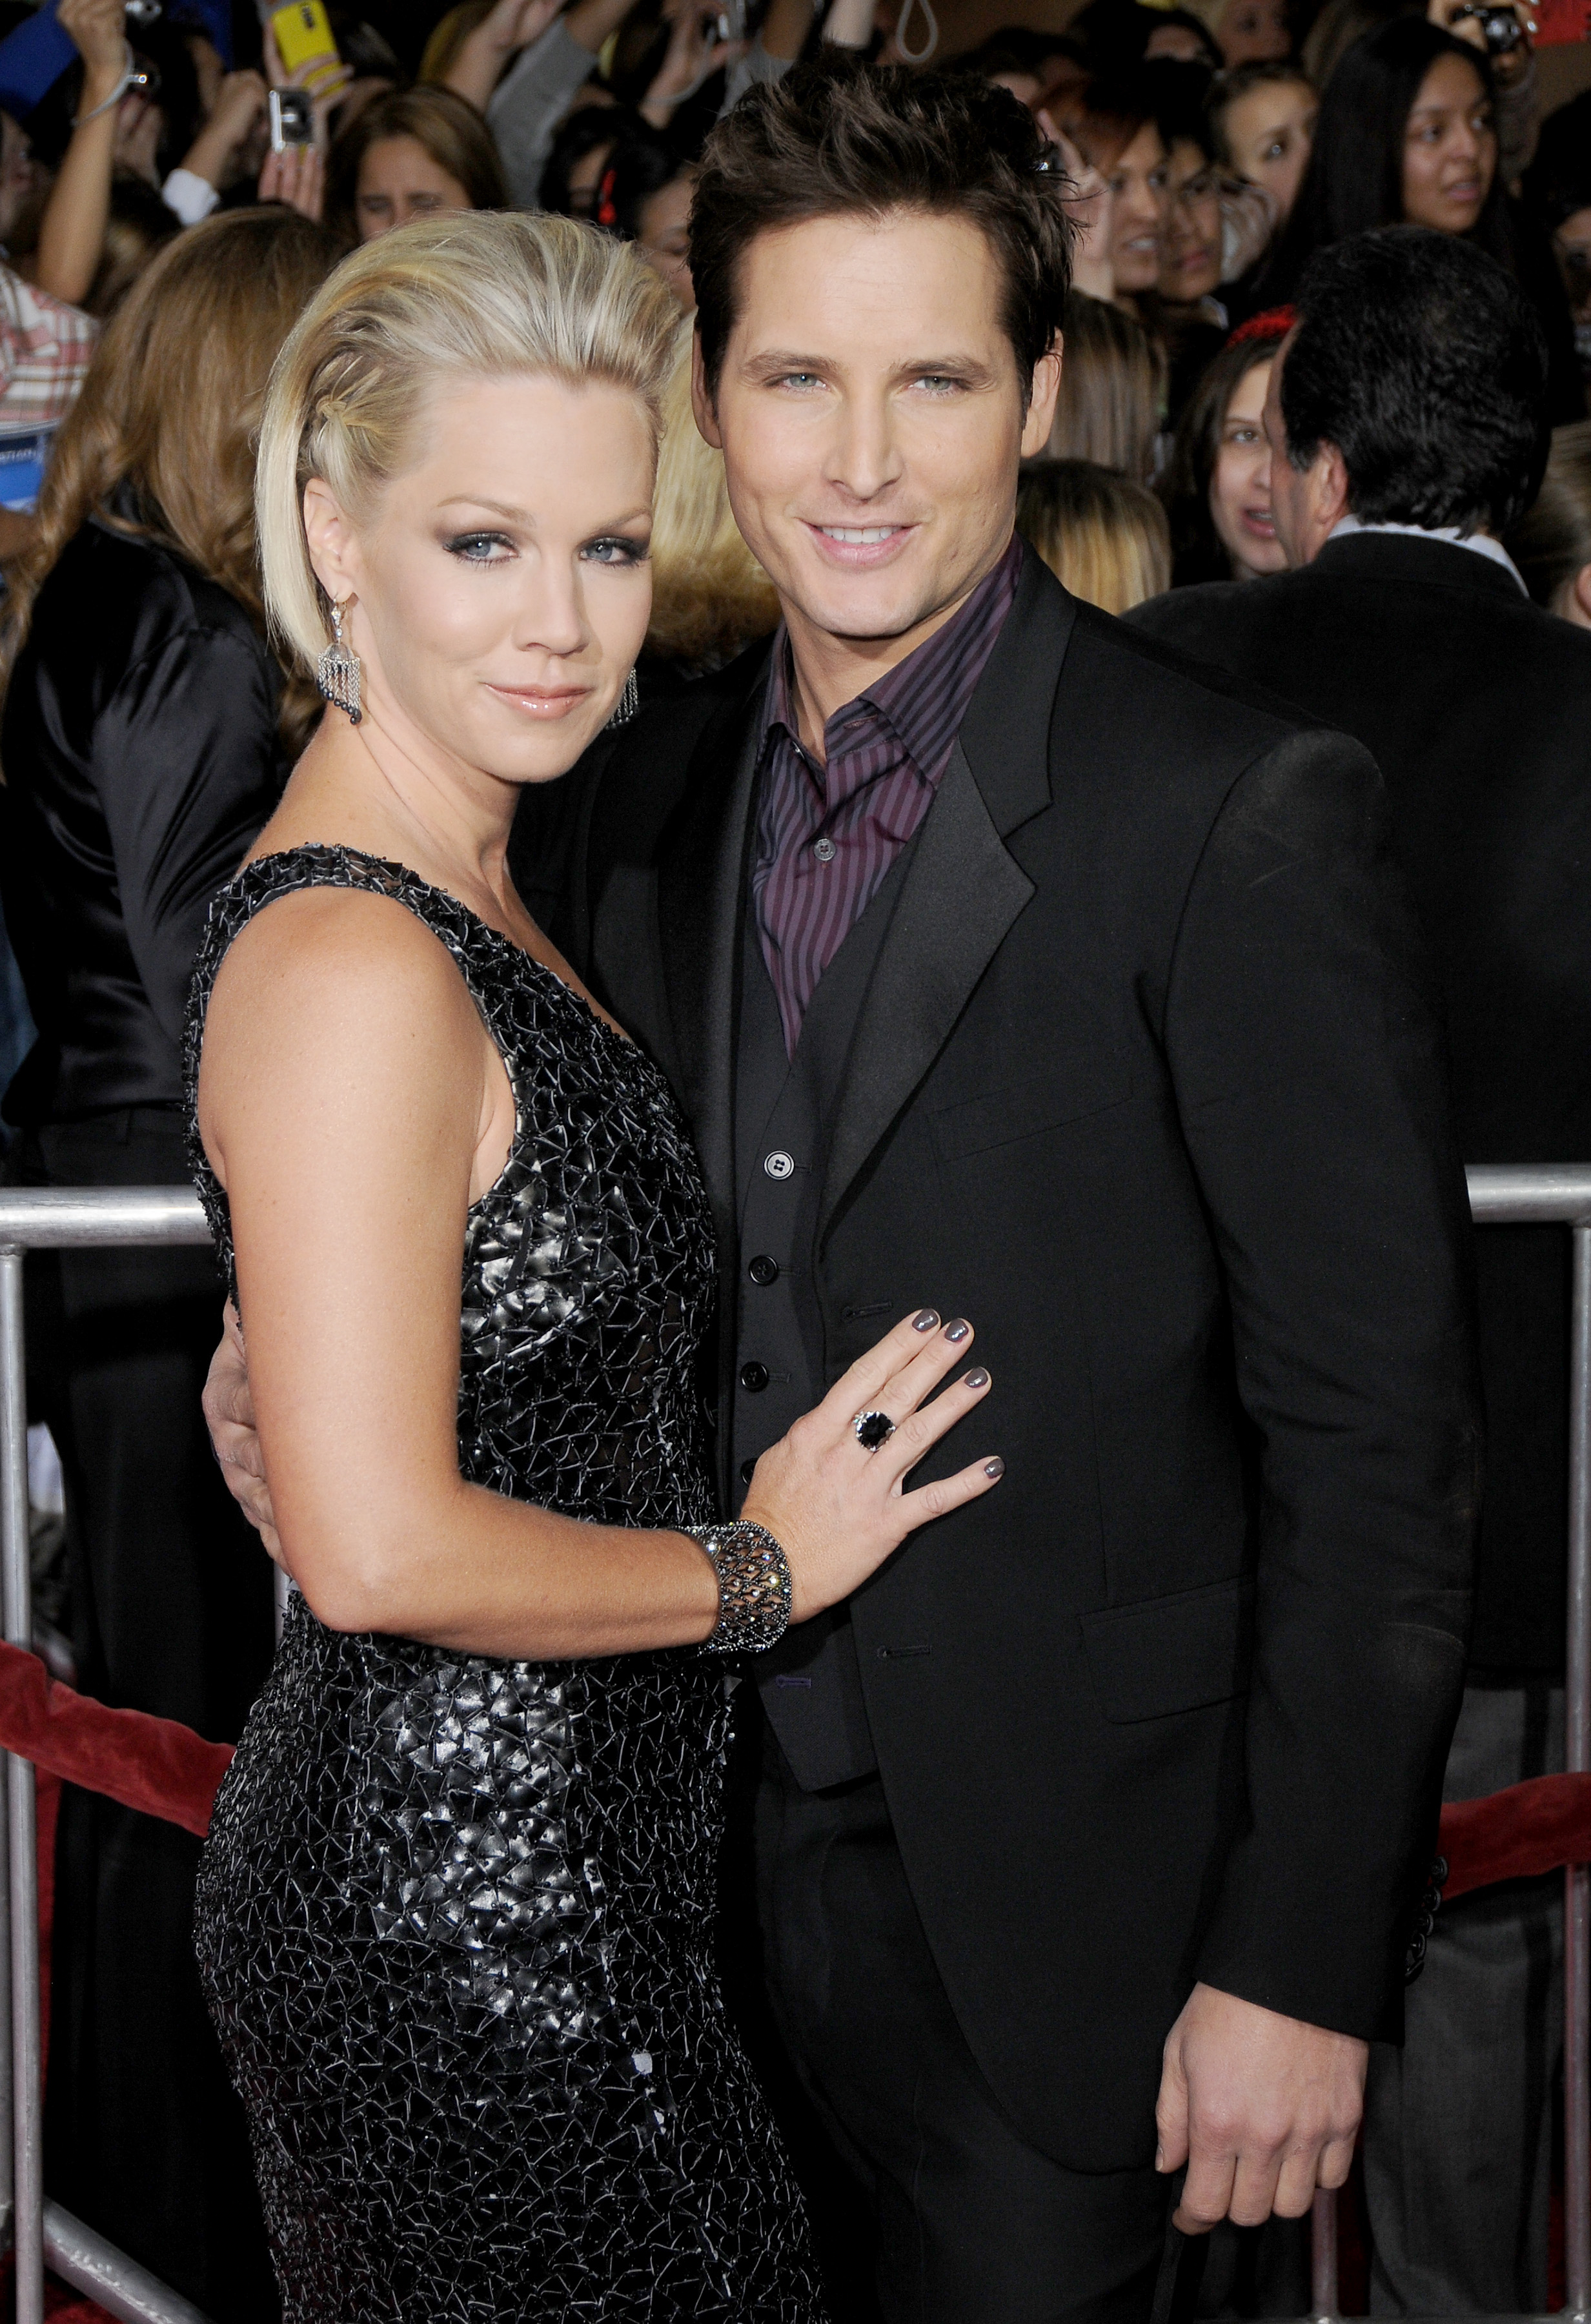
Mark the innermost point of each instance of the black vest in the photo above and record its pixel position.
(810, 1683)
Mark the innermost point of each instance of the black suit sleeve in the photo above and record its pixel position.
(186, 766)
(1309, 1070)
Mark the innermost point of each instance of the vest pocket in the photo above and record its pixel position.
(1166, 1655)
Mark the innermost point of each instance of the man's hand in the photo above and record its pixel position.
(229, 1413)
(1262, 2110)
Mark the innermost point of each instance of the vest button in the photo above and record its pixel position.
(753, 1378)
(764, 1271)
(779, 1165)
(748, 1470)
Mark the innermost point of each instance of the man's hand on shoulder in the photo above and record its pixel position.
(229, 1414)
(1262, 2108)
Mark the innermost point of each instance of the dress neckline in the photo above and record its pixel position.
(406, 873)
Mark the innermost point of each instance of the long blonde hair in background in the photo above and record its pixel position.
(160, 442)
(1103, 536)
(461, 296)
(710, 596)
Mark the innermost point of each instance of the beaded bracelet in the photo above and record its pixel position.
(753, 1586)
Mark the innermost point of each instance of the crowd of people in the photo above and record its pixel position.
(1300, 300)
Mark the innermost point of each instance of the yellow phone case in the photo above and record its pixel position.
(304, 36)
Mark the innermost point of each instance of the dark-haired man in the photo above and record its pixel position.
(1005, 963)
(1407, 429)
(1005, 966)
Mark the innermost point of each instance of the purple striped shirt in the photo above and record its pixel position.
(827, 835)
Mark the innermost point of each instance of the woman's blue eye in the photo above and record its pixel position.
(480, 547)
(615, 549)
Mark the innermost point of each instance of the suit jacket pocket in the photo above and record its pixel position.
(1024, 1109)
(1165, 1655)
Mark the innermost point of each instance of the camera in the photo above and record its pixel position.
(1500, 25)
(292, 121)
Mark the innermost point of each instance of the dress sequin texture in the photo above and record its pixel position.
(455, 1916)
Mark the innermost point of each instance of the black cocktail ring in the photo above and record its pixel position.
(872, 1429)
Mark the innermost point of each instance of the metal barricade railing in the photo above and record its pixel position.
(79, 1218)
(52, 1219)
(1516, 1194)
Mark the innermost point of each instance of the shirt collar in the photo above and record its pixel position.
(1481, 543)
(925, 698)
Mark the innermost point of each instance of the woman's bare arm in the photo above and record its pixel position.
(349, 1095)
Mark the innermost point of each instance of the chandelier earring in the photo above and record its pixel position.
(627, 703)
(337, 670)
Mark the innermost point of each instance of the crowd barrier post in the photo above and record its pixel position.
(56, 1218)
(1522, 1194)
(79, 1218)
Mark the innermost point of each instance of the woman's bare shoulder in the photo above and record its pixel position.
(323, 975)
(340, 940)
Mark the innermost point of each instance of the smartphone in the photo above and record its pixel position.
(292, 122)
(303, 37)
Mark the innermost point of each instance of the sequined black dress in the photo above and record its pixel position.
(454, 1917)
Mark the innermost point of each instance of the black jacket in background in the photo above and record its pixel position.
(141, 757)
(1147, 1084)
(1477, 707)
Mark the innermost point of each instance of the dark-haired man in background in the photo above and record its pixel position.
(1407, 426)
(1004, 962)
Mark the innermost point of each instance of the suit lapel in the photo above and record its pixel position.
(963, 893)
(963, 889)
(700, 897)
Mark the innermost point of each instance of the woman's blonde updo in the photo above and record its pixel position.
(461, 297)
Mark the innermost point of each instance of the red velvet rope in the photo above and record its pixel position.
(151, 1764)
(168, 1771)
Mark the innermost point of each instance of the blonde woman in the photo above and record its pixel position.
(148, 731)
(455, 1912)
(1102, 536)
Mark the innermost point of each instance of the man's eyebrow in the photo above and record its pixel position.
(782, 359)
(778, 359)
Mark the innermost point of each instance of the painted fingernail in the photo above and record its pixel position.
(979, 1378)
(926, 1320)
(958, 1330)
(995, 1468)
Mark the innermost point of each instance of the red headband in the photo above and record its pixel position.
(1274, 323)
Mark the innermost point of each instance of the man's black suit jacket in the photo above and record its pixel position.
(1147, 1085)
(1477, 707)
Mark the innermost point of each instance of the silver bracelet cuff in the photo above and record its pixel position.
(753, 1586)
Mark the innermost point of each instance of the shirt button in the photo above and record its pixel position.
(824, 849)
(748, 1470)
(779, 1165)
(754, 1377)
(764, 1271)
